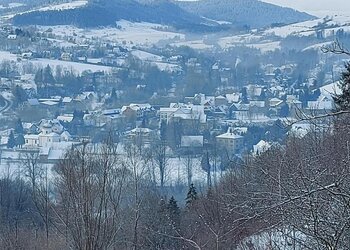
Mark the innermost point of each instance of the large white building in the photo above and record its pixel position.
(49, 135)
(183, 112)
(230, 142)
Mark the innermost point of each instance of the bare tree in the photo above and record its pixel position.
(159, 152)
(90, 184)
(136, 164)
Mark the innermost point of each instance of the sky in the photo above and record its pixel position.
(316, 7)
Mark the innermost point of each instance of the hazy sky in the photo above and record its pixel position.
(315, 6)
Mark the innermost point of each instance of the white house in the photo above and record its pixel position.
(230, 142)
(31, 140)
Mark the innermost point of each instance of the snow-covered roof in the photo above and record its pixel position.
(331, 89)
(168, 110)
(140, 130)
(232, 98)
(50, 103)
(260, 104)
(229, 135)
(53, 134)
(31, 137)
(65, 118)
(67, 99)
(261, 147)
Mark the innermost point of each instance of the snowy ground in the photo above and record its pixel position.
(128, 33)
(12, 6)
(308, 28)
(176, 170)
(194, 44)
(249, 40)
(65, 6)
(77, 67)
(156, 60)
(66, 65)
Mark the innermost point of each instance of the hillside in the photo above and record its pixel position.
(106, 13)
(253, 13)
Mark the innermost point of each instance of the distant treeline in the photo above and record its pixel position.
(105, 14)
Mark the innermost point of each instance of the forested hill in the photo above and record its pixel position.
(253, 13)
(104, 13)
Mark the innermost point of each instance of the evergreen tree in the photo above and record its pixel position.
(11, 142)
(244, 95)
(20, 140)
(19, 127)
(114, 96)
(39, 76)
(191, 195)
(284, 110)
(20, 96)
(47, 75)
(173, 212)
(342, 100)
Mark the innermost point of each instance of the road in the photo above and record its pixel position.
(6, 107)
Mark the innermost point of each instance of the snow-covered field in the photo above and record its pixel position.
(11, 6)
(249, 40)
(75, 66)
(156, 60)
(128, 33)
(65, 6)
(307, 28)
(145, 56)
(252, 41)
(176, 170)
(62, 43)
(266, 46)
(194, 44)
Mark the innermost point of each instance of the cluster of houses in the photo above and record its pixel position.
(193, 123)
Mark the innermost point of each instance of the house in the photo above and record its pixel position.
(275, 102)
(136, 111)
(220, 101)
(230, 141)
(12, 37)
(46, 139)
(31, 140)
(166, 114)
(66, 56)
(30, 128)
(27, 55)
(140, 136)
(233, 98)
(65, 136)
(261, 147)
(48, 126)
(65, 118)
(323, 105)
(239, 111)
(50, 132)
(254, 91)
